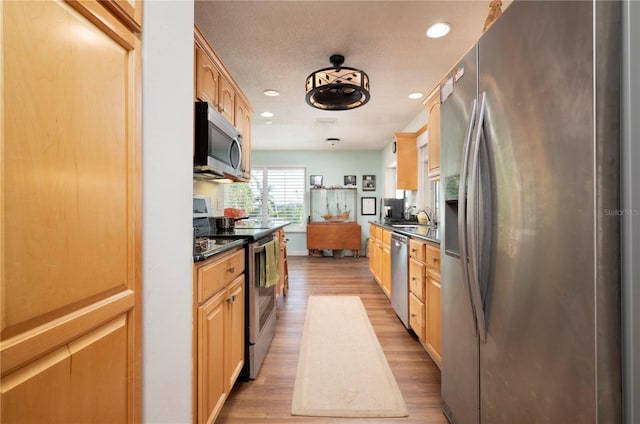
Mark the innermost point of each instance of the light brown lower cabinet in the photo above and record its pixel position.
(424, 295)
(386, 262)
(219, 333)
(380, 257)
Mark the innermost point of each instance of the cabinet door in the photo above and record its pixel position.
(226, 99)
(434, 332)
(372, 255)
(71, 75)
(243, 124)
(207, 78)
(56, 387)
(433, 144)
(417, 277)
(235, 330)
(212, 382)
(378, 263)
(416, 316)
(386, 270)
(406, 161)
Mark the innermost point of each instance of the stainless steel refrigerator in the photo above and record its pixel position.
(530, 268)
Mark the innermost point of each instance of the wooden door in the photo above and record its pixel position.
(434, 332)
(406, 161)
(207, 78)
(70, 214)
(243, 124)
(433, 143)
(226, 99)
(212, 382)
(235, 330)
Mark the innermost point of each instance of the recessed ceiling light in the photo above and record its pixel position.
(415, 95)
(438, 30)
(271, 93)
(266, 115)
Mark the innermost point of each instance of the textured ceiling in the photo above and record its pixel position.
(277, 44)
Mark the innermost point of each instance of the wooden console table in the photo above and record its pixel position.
(334, 235)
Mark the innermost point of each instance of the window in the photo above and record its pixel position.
(273, 193)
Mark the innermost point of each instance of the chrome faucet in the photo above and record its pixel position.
(407, 212)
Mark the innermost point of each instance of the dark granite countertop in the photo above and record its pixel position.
(413, 229)
(219, 246)
(244, 232)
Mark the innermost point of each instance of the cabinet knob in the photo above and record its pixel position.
(232, 270)
(231, 299)
(434, 259)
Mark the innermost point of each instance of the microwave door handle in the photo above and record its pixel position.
(462, 228)
(472, 227)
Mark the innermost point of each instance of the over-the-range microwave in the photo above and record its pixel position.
(218, 144)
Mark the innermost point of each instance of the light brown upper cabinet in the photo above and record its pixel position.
(226, 100)
(71, 214)
(406, 161)
(214, 84)
(207, 78)
(433, 143)
(243, 123)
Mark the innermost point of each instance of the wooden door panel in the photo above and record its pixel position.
(68, 160)
(207, 78)
(38, 393)
(211, 375)
(70, 212)
(235, 327)
(106, 346)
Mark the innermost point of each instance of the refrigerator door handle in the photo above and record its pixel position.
(462, 205)
(472, 229)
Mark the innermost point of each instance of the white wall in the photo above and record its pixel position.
(167, 128)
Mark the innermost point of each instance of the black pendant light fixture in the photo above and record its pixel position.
(337, 87)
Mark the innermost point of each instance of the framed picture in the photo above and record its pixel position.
(368, 205)
(350, 180)
(368, 183)
(315, 180)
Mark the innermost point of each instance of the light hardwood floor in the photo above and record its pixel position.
(268, 398)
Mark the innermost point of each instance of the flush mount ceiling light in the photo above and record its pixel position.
(271, 93)
(337, 87)
(266, 115)
(415, 95)
(438, 30)
(332, 141)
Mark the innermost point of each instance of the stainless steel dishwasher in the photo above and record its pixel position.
(400, 276)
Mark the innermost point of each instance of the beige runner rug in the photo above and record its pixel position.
(342, 370)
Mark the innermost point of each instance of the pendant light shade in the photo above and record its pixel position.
(337, 87)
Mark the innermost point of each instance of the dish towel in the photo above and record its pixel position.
(269, 273)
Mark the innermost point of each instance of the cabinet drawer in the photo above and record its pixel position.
(416, 316)
(433, 258)
(417, 249)
(372, 231)
(417, 277)
(386, 236)
(217, 274)
(378, 233)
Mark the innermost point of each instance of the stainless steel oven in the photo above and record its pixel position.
(261, 310)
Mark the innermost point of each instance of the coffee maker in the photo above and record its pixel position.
(392, 210)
